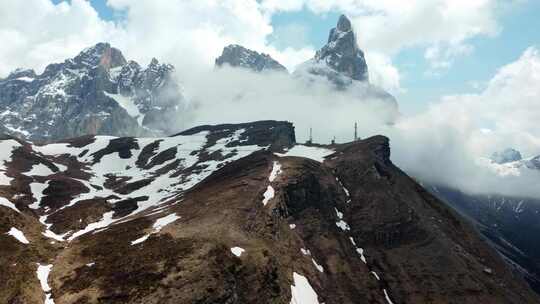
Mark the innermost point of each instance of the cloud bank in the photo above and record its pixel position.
(444, 143)
(441, 145)
(191, 33)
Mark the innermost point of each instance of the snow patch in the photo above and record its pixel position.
(387, 297)
(140, 240)
(106, 221)
(276, 170)
(25, 79)
(237, 251)
(314, 153)
(43, 272)
(19, 235)
(319, 267)
(6, 203)
(305, 251)
(343, 225)
(361, 253)
(128, 105)
(302, 292)
(37, 192)
(268, 195)
(6, 149)
(39, 170)
(158, 225)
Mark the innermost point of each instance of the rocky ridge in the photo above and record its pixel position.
(233, 214)
(96, 92)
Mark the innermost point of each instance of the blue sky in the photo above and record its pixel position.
(519, 26)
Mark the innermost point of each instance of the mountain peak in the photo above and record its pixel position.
(344, 24)
(101, 54)
(342, 53)
(236, 55)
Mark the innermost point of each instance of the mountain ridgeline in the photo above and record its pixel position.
(96, 92)
(233, 214)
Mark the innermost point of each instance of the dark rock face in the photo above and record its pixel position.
(97, 92)
(342, 54)
(142, 220)
(239, 56)
(511, 224)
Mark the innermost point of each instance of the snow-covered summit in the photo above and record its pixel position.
(340, 60)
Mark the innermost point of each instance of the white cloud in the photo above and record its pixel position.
(188, 33)
(387, 26)
(37, 32)
(192, 33)
(444, 143)
(238, 95)
(383, 73)
(442, 57)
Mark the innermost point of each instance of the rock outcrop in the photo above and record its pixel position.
(342, 53)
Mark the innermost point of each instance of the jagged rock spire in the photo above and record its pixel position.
(344, 24)
(341, 52)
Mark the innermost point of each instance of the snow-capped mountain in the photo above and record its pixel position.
(238, 56)
(232, 214)
(96, 92)
(510, 163)
(342, 63)
(341, 60)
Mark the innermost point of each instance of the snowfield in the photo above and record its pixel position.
(314, 153)
(302, 292)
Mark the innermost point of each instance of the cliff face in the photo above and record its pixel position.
(234, 214)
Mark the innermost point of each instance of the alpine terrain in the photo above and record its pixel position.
(233, 214)
(96, 92)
